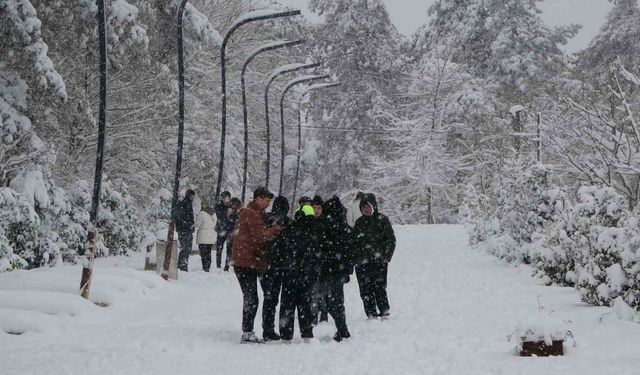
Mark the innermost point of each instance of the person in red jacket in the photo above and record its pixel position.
(249, 256)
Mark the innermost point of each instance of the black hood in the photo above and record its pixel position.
(333, 209)
(280, 206)
(371, 199)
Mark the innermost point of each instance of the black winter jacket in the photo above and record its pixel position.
(336, 260)
(185, 220)
(374, 239)
(299, 246)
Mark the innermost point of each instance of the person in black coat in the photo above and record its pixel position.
(233, 211)
(321, 314)
(185, 226)
(271, 280)
(298, 245)
(374, 244)
(336, 264)
(223, 210)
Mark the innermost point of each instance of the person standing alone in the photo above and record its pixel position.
(205, 236)
(251, 235)
(222, 210)
(185, 227)
(374, 244)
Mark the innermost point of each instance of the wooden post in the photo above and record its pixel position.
(87, 265)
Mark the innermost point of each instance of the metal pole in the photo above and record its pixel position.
(223, 48)
(274, 75)
(291, 84)
(539, 143)
(265, 48)
(310, 89)
(87, 267)
(176, 179)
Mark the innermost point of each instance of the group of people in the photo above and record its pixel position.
(213, 226)
(303, 262)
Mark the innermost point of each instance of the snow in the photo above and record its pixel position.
(319, 86)
(305, 78)
(31, 185)
(201, 25)
(452, 310)
(255, 14)
(515, 109)
(288, 68)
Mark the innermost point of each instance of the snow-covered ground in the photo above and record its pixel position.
(452, 310)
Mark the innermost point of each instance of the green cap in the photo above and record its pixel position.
(307, 210)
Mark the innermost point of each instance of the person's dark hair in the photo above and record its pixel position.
(280, 206)
(190, 193)
(359, 195)
(304, 199)
(262, 192)
(317, 200)
(225, 193)
(235, 202)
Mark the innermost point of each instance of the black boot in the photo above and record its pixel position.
(339, 336)
(270, 336)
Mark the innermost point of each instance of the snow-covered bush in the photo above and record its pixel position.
(118, 222)
(18, 228)
(158, 214)
(476, 215)
(598, 234)
(550, 250)
(525, 205)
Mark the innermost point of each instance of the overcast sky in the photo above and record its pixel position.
(408, 15)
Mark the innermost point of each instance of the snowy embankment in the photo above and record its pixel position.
(452, 310)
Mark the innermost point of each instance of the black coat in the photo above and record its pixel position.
(336, 260)
(224, 225)
(277, 248)
(373, 236)
(299, 246)
(184, 216)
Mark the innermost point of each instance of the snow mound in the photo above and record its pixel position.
(540, 327)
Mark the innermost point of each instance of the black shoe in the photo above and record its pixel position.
(270, 336)
(226, 268)
(339, 336)
(384, 315)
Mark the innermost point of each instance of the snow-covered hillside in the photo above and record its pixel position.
(452, 310)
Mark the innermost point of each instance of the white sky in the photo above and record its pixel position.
(408, 15)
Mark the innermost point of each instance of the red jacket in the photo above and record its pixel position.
(251, 235)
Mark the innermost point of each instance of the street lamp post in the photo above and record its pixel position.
(274, 75)
(176, 179)
(87, 266)
(319, 86)
(259, 50)
(249, 17)
(291, 84)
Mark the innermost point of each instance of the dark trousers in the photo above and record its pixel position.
(205, 255)
(372, 280)
(333, 289)
(271, 283)
(227, 259)
(219, 247)
(186, 241)
(248, 279)
(297, 294)
(319, 301)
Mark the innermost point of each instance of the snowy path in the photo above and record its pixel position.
(452, 308)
